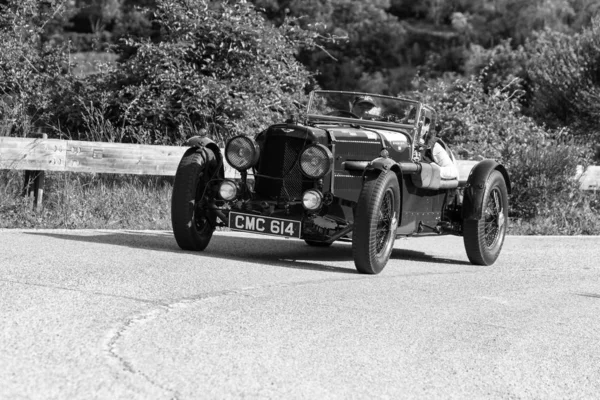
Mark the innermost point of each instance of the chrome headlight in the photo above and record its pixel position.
(312, 199)
(242, 153)
(316, 161)
(228, 190)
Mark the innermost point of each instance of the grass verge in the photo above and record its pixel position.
(105, 201)
(88, 201)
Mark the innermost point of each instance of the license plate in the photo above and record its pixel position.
(266, 225)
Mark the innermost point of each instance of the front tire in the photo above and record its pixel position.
(375, 224)
(193, 224)
(483, 238)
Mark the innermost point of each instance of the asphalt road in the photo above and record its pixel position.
(126, 314)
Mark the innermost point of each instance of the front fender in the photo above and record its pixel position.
(472, 207)
(382, 164)
(199, 141)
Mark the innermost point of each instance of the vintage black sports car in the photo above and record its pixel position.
(347, 171)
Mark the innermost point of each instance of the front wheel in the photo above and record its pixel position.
(483, 238)
(376, 222)
(193, 223)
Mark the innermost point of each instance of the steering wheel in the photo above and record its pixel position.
(343, 113)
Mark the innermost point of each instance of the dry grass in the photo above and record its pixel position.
(86, 201)
(104, 201)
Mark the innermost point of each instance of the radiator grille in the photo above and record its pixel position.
(279, 174)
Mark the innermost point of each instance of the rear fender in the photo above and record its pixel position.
(472, 207)
(199, 142)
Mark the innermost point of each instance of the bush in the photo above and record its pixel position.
(32, 70)
(217, 70)
(497, 66)
(542, 164)
(565, 75)
(214, 68)
(568, 213)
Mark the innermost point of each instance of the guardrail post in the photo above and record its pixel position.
(34, 185)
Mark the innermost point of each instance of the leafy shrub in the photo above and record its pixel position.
(84, 42)
(565, 74)
(567, 213)
(31, 69)
(217, 70)
(372, 48)
(91, 62)
(489, 124)
(497, 66)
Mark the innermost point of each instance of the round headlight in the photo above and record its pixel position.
(316, 161)
(312, 199)
(242, 153)
(228, 190)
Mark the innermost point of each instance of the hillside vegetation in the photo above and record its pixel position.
(515, 81)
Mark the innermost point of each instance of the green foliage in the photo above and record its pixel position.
(88, 201)
(31, 68)
(565, 76)
(92, 62)
(372, 49)
(488, 124)
(568, 213)
(497, 66)
(217, 70)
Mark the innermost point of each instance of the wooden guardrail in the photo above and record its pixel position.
(79, 156)
(36, 156)
(39, 155)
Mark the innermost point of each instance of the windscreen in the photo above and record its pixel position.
(363, 106)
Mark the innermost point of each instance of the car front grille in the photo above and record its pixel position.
(278, 173)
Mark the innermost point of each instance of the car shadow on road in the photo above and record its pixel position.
(277, 252)
(419, 256)
(270, 251)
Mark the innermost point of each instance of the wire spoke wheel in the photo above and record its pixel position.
(376, 220)
(494, 218)
(484, 238)
(384, 223)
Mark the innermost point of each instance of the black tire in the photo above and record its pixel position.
(375, 223)
(193, 225)
(317, 244)
(484, 238)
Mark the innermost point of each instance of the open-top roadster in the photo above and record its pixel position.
(341, 174)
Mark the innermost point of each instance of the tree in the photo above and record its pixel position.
(32, 68)
(217, 69)
(564, 70)
(371, 51)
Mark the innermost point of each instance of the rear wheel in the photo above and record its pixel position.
(375, 223)
(484, 238)
(193, 224)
